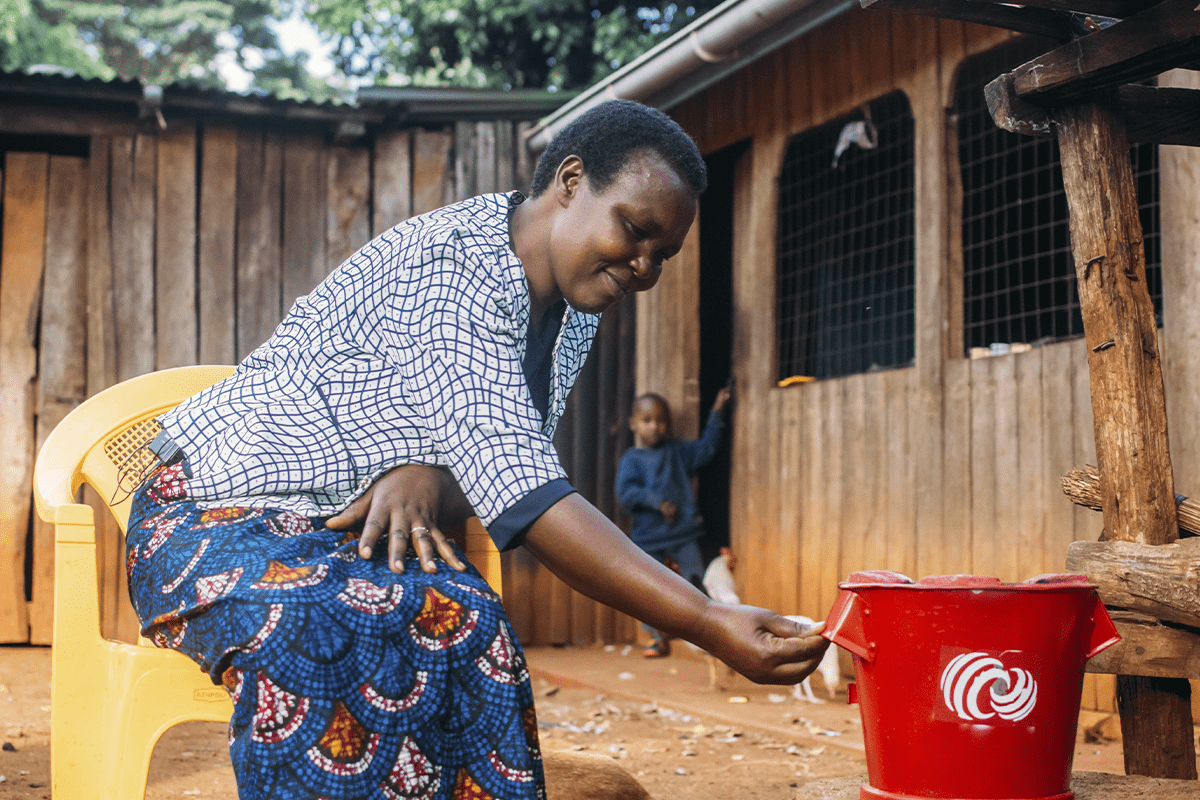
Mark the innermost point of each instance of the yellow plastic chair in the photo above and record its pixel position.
(111, 701)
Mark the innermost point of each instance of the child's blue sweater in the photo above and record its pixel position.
(649, 475)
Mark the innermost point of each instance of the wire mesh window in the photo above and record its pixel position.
(844, 273)
(1019, 281)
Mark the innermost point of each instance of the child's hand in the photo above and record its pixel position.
(669, 511)
(723, 398)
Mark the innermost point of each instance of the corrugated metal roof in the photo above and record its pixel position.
(374, 105)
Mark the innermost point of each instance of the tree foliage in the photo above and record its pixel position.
(158, 41)
(564, 44)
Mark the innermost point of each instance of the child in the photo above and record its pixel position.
(654, 486)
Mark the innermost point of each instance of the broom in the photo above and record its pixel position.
(1082, 486)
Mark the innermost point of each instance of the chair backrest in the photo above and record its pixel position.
(105, 433)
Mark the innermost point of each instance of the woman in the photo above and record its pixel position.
(294, 552)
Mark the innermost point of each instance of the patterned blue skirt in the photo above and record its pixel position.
(348, 680)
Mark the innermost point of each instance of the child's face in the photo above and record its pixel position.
(650, 423)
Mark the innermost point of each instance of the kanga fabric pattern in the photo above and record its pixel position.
(348, 680)
(408, 353)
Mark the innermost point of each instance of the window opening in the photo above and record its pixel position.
(1019, 285)
(845, 267)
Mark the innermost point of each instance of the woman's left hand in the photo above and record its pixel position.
(403, 503)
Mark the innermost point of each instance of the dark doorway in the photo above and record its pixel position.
(716, 334)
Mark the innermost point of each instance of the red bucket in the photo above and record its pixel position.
(969, 688)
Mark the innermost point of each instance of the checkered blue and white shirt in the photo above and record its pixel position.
(409, 353)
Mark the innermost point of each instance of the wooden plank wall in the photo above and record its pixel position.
(187, 246)
(953, 465)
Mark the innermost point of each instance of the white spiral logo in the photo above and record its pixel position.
(1013, 692)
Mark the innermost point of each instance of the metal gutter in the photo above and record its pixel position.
(717, 44)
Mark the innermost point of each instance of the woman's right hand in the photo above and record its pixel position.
(406, 503)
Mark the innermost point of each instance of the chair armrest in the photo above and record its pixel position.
(74, 522)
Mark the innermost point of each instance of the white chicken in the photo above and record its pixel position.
(718, 582)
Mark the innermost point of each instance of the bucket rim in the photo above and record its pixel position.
(886, 579)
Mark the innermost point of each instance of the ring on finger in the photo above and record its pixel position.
(420, 528)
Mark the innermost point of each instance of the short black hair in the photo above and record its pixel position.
(605, 136)
(651, 397)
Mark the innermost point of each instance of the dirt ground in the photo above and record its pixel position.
(655, 718)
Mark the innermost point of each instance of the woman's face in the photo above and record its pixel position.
(609, 244)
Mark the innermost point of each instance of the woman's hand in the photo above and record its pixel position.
(591, 555)
(760, 644)
(406, 502)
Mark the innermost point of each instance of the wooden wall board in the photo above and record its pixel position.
(22, 259)
(486, 167)
(686, 266)
(506, 157)
(60, 119)
(519, 568)
(755, 212)
(924, 88)
(743, 443)
(133, 178)
(1007, 565)
(524, 163)
(769, 588)
(877, 474)
(176, 323)
(259, 187)
(1179, 171)
(901, 495)
(791, 475)
(466, 160)
(834, 486)
(62, 368)
(869, 57)
(1087, 526)
(1058, 448)
(857, 494)
(215, 265)
(432, 173)
(392, 180)
(985, 540)
(831, 95)
(798, 112)
(306, 195)
(101, 325)
(955, 557)
(1031, 470)
(348, 205)
(813, 537)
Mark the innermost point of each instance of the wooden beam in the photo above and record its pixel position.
(1128, 401)
(1136, 485)
(1098, 8)
(1165, 115)
(1151, 114)
(1133, 50)
(1156, 726)
(1159, 580)
(1150, 649)
(1050, 23)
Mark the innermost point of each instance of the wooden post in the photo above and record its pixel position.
(1128, 401)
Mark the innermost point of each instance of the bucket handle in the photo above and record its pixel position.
(1104, 632)
(845, 625)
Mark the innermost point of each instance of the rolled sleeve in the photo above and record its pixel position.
(459, 357)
